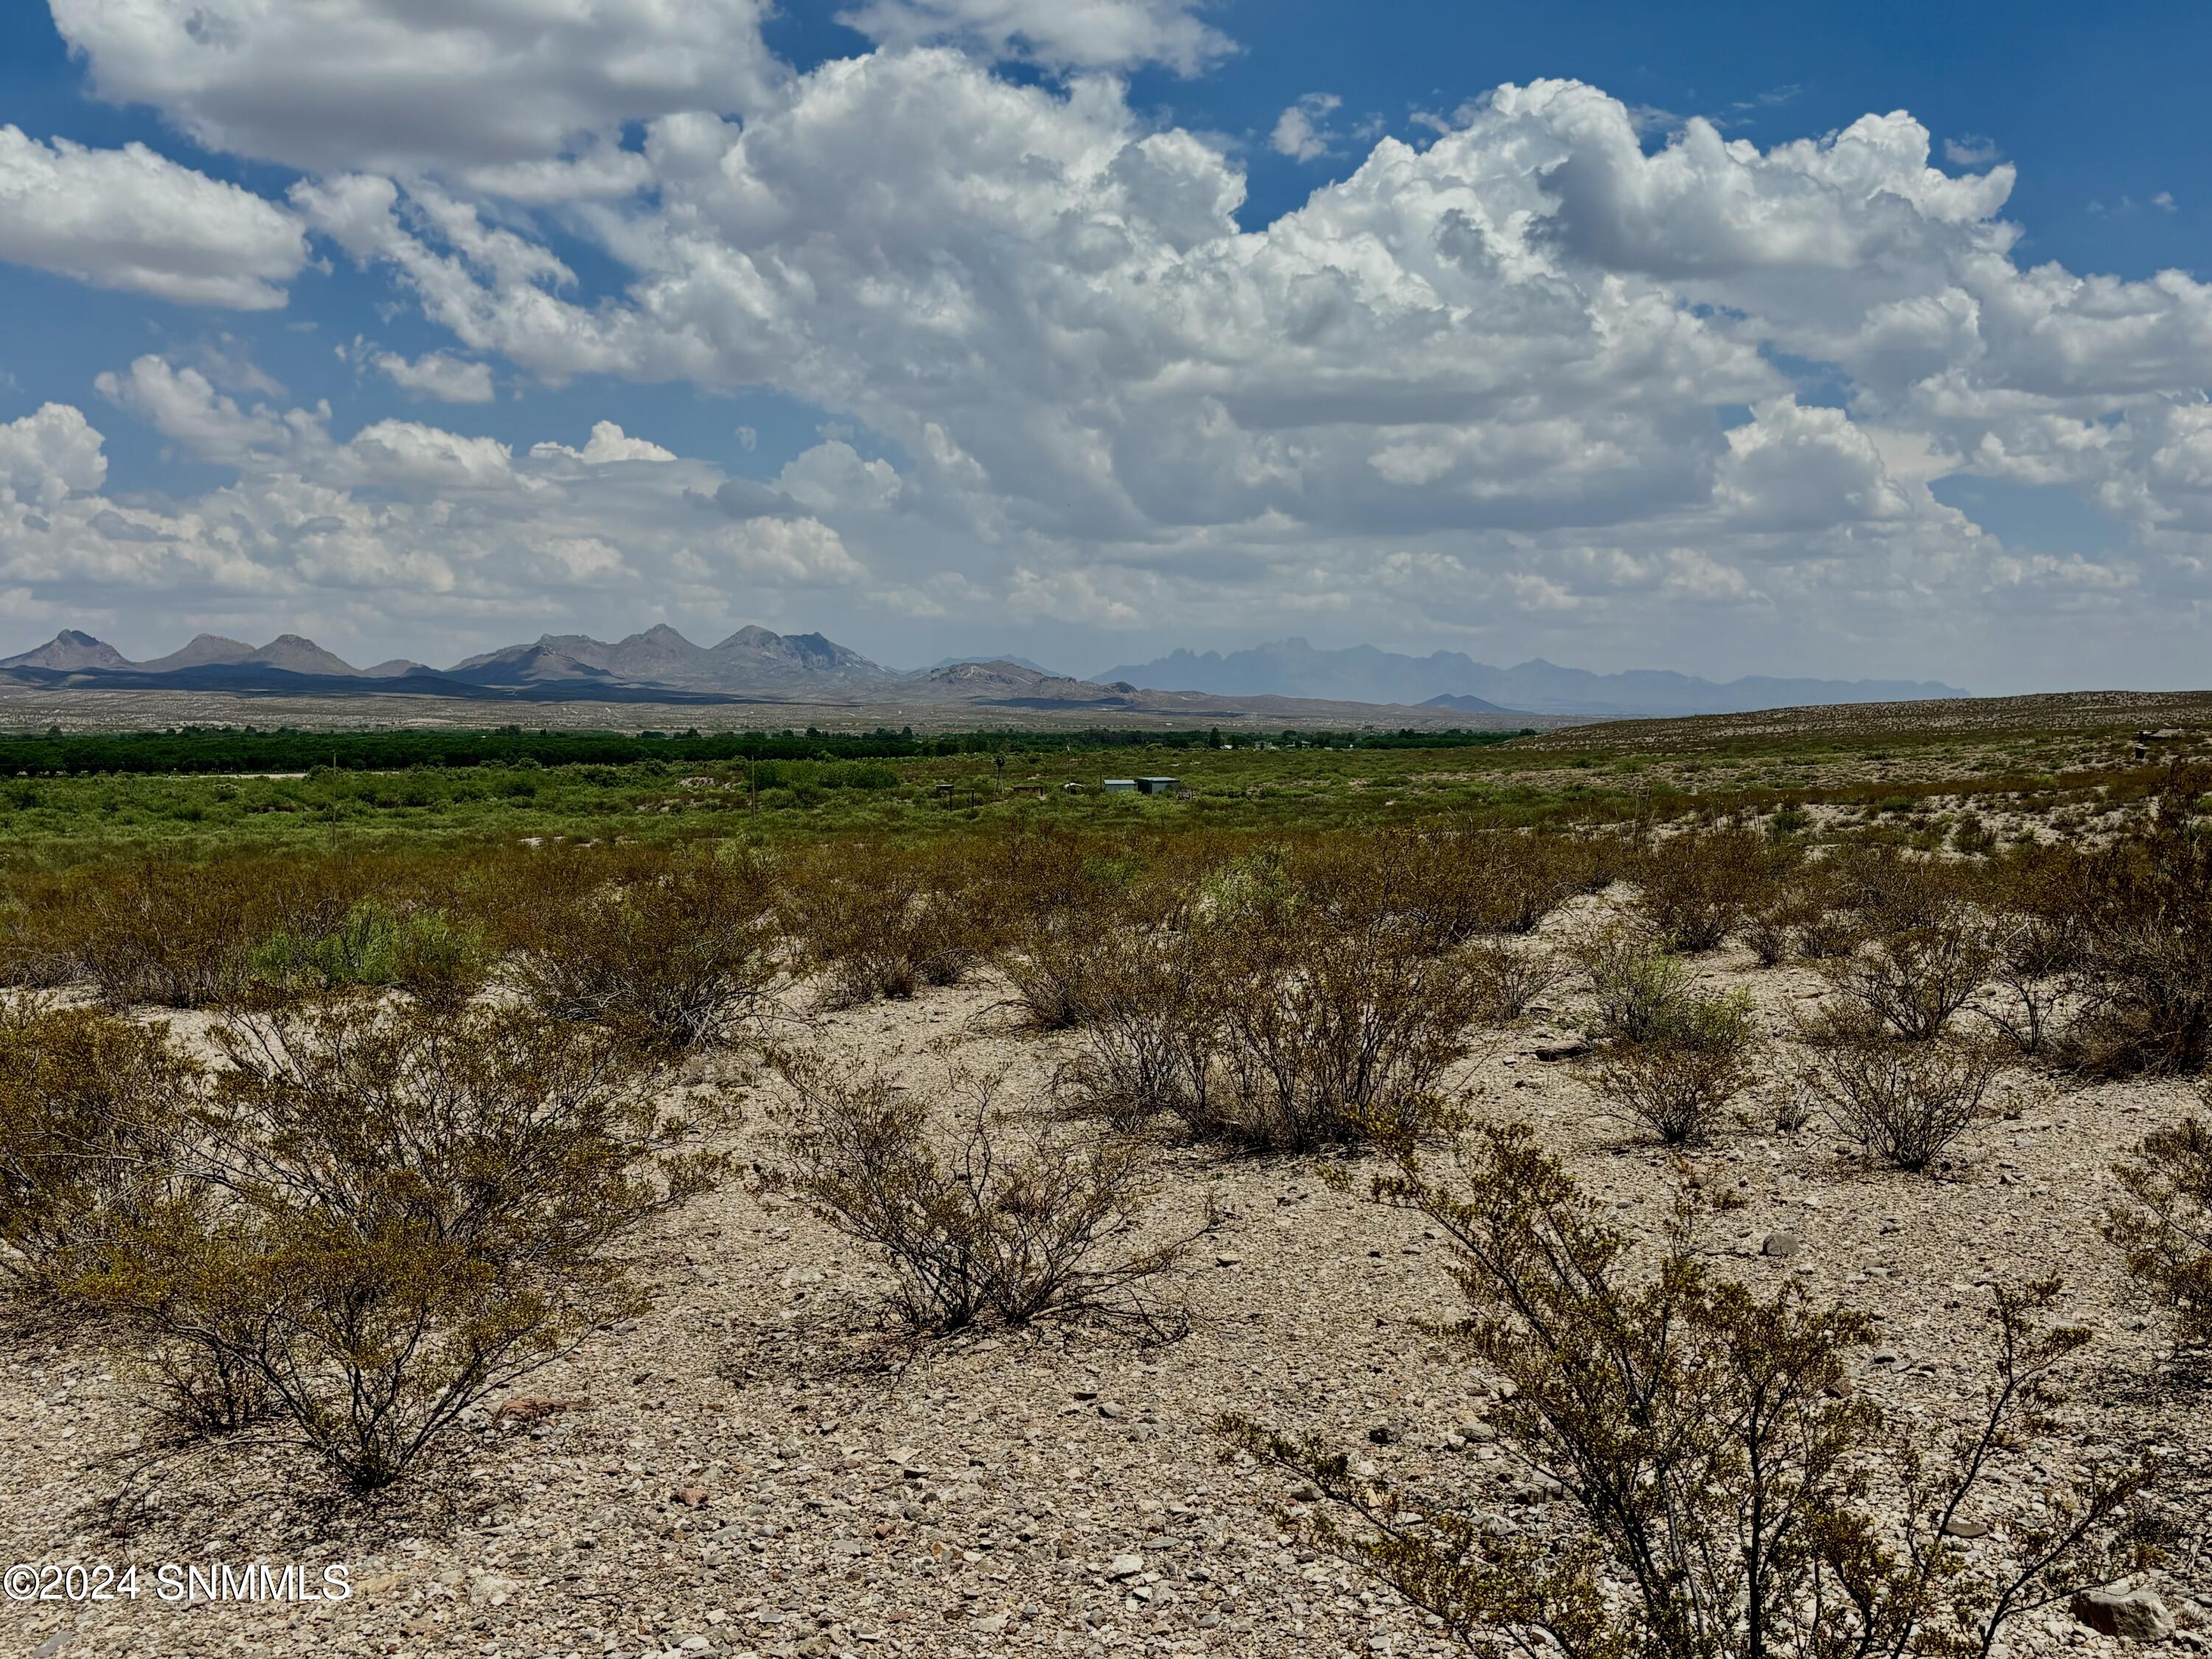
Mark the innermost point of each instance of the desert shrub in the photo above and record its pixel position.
(1888, 891)
(1721, 1490)
(1062, 935)
(92, 1111)
(670, 952)
(991, 1219)
(1315, 1027)
(1150, 1001)
(1680, 1084)
(876, 922)
(427, 953)
(2163, 1221)
(182, 935)
(1903, 1103)
(386, 1214)
(1049, 967)
(1440, 886)
(1770, 930)
(1509, 980)
(1640, 987)
(1973, 837)
(2142, 962)
(1695, 888)
(1914, 979)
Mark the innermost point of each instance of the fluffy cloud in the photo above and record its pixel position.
(1531, 372)
(608, 443)
(1518, 345)
(184, 407)
(131, 219)
(397, 85)
(1302, 130)
(456, 533)
(435, 375)
(1080, 35)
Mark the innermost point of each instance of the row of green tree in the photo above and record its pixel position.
(231, 749)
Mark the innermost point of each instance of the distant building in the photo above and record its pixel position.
(1157, 786)
(1118, 785)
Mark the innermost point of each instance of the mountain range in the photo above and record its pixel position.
(1449, 679)
(755, 665)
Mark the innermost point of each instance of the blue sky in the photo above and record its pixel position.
(956, 325)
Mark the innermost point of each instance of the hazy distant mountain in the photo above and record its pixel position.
(70, 649)
(1365, 673)
(288, 652)
(1465, 705)
(660, 666)
(1018, 662)
(527, 664)
(751, 660)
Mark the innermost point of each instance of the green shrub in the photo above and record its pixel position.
(1640, 988)
(1903, 1102)
(1719, 1490)
(1680, 1083)
(670, 950)
(92, 1112)
(994, 1220)
(2163, 1221)
(425, 952)
(385, 1215)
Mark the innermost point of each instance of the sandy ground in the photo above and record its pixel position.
(758, 1467)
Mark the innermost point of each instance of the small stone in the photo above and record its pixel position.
(1125, 1566)
(1110, 1410)
(1383, 1434)
(1226, 1259)
(2132, 1615)
(1965, 1526)
(1780, 1244)
(691, 1496)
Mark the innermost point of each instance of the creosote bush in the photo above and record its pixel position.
(2141, 959)
(382, 1216)
(671, 951)
(1915, 979)
(1903, 1102)
(2163, 1221)
(93, 1111)
(1147, 1034)
(1509, 980)
(982, 1218)
(1641, 988)
(1722, 1492)
(1680, 1084)
(1316, 1028)
(1695, 888)
(876, 922)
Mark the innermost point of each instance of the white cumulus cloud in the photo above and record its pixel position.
(393, 85)
(1302, 130)
(132, 219)
(438, 375)
(1081, 34)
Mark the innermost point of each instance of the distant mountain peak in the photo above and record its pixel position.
(69, 650)
(1367, 673)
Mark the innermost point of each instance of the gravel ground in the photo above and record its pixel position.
(758, 1466)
